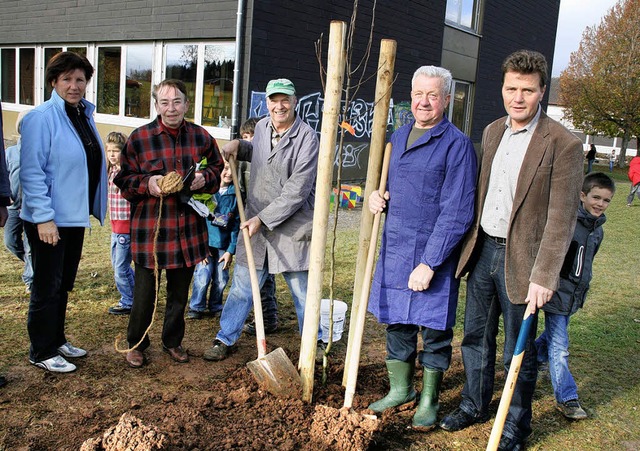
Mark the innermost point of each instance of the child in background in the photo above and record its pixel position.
(268, 291)
(14, 237)
(223, 236)
(119, 213)
(553, 344)
(612, 160)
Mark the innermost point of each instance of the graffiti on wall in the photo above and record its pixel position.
(360, 112)
(354, 152)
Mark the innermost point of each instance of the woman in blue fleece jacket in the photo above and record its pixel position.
(64, 180)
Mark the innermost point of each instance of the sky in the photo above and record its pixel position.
(575, 16)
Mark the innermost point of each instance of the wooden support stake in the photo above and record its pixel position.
(335, 73)
(384, 83)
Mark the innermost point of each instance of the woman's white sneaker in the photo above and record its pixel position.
(69, 351)
(55, 364)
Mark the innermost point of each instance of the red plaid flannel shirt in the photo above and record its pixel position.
(119, 207)
(182, 239)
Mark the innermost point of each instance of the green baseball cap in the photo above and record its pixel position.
(281, 86)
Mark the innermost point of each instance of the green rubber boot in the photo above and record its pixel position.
(401, 381)
(427, 412)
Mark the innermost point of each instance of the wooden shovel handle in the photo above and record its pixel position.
(255, 284)
(354, 363)
(510, 383)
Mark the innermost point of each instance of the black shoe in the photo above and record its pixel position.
(268, 328)
(194, 314)
(219, 351)
(510, 444)
(572, 410)
(3, 381)
(119, 310)
(459, 419)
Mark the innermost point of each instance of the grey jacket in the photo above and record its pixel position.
(282, 194)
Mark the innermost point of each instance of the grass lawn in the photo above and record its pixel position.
(605, 337)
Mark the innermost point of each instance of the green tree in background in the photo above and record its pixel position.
(600, 88)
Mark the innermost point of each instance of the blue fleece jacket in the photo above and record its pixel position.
(53, 168)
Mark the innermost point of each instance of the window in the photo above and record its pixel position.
(181, 64)
(460, 105)
(27, 76)
(108, 81)
(18, 75)
(8, 71)
(462, 13)
(217, 90)
(137, 96)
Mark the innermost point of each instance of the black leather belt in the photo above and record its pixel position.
(496, 239)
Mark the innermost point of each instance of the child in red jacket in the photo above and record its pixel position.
(634, 177)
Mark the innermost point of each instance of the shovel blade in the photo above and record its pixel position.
(275, 373)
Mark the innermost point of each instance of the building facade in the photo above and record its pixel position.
(227, 50)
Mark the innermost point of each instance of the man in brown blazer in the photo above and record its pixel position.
(527, 197)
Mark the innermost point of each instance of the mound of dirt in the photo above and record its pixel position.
(342, 429)
(128, 435)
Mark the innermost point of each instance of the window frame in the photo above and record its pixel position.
(466, 129)
(475, 17)
(158, 71)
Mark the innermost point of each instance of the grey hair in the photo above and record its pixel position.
(435, 72)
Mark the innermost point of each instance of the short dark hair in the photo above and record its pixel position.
(598, 180)
(170, 83)
(527, 62)
(66, 61)
(249, 126)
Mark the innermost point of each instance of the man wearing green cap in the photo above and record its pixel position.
(284, 159)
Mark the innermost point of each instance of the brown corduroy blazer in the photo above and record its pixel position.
(544, 210)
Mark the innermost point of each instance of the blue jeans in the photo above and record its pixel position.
(240, 300)
(18, 244)
(122, 270)
(207, 273)
(553, 347)
(590, 165)
(486, 300)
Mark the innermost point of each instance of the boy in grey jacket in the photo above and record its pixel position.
(553, 344)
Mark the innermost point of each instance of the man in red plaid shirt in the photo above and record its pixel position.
(167, 144)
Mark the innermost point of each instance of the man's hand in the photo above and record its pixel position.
(154, 189)
(230, 148)
(377, 204)
(252, 225)
(198, 182)
(48, 233)
(537, 296)
(420, 277)
(4, 214)
(227, 258)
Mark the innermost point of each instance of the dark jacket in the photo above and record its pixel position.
(5, 189)
(577, 269)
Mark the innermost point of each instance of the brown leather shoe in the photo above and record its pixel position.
(135, 358)
(177, 354)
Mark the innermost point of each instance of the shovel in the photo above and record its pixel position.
(273, 372)
(356, 347)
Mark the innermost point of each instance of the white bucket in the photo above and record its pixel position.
(339, 312)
